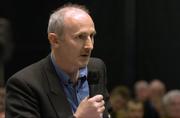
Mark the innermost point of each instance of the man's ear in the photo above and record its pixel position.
(53, 39)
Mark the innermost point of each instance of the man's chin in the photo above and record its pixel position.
(83, 64)
(84, 61)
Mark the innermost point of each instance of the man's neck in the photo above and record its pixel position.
(74, 76)
(72, 72)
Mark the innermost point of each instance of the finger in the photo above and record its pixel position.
(96, 98)
(101, 109)
(100, 104)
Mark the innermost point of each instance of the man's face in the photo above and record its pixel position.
(142, 93)
(75, 47)
(118, 102)
(174, 108)
(135, 110)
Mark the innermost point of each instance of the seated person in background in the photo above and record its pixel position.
(6, 46)
(142, 93)
(119, 97)
(157, 90)
(2, 102)
(135, 109)
(171, 103)
(141, 90)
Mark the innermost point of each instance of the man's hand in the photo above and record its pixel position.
(91, 107)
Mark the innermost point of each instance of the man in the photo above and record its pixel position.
(57, 86)
(157, 90)
(135, 109)
(6, 46)
(2, 102)
(141, 89)
(119, 97)
(171, 102)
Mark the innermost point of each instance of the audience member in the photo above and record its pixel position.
(141, 91)
(119, 97)
(171, 102)
(135, 109)
(5, 45)
(157, 90)
(2, 102)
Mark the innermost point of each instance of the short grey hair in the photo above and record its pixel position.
(56, 20)
(141, 84)
(168, 97)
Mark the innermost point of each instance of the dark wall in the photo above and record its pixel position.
(158, 34)
(137, 39)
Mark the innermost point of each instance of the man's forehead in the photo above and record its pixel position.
(72, 10)
(77, 16)
(75, 13)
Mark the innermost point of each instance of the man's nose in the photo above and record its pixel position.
(89, 44)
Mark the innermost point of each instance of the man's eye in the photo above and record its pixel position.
(92, 36)
(82, 36)
(85, 36)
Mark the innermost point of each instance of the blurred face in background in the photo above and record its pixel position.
(174, 107)
(118, 102)
(142, 91)
(157, 90)
(2, 114)
(135, 110)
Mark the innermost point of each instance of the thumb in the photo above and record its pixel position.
(86, 98)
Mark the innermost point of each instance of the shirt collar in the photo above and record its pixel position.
(63, 76)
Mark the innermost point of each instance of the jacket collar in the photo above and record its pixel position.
(55, 91)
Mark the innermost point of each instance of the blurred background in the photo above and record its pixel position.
(137, 39)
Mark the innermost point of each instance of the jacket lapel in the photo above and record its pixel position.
(55, 92)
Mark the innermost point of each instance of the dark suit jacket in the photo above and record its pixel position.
(35, 92)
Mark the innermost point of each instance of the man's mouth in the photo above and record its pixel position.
(85, 55)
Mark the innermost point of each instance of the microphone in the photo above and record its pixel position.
(93, 77)
(93, 80)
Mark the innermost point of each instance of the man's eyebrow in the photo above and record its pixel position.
(77, 33)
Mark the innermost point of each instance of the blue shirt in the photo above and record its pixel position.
(75, 93)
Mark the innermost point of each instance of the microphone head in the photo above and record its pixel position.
(93, 77)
